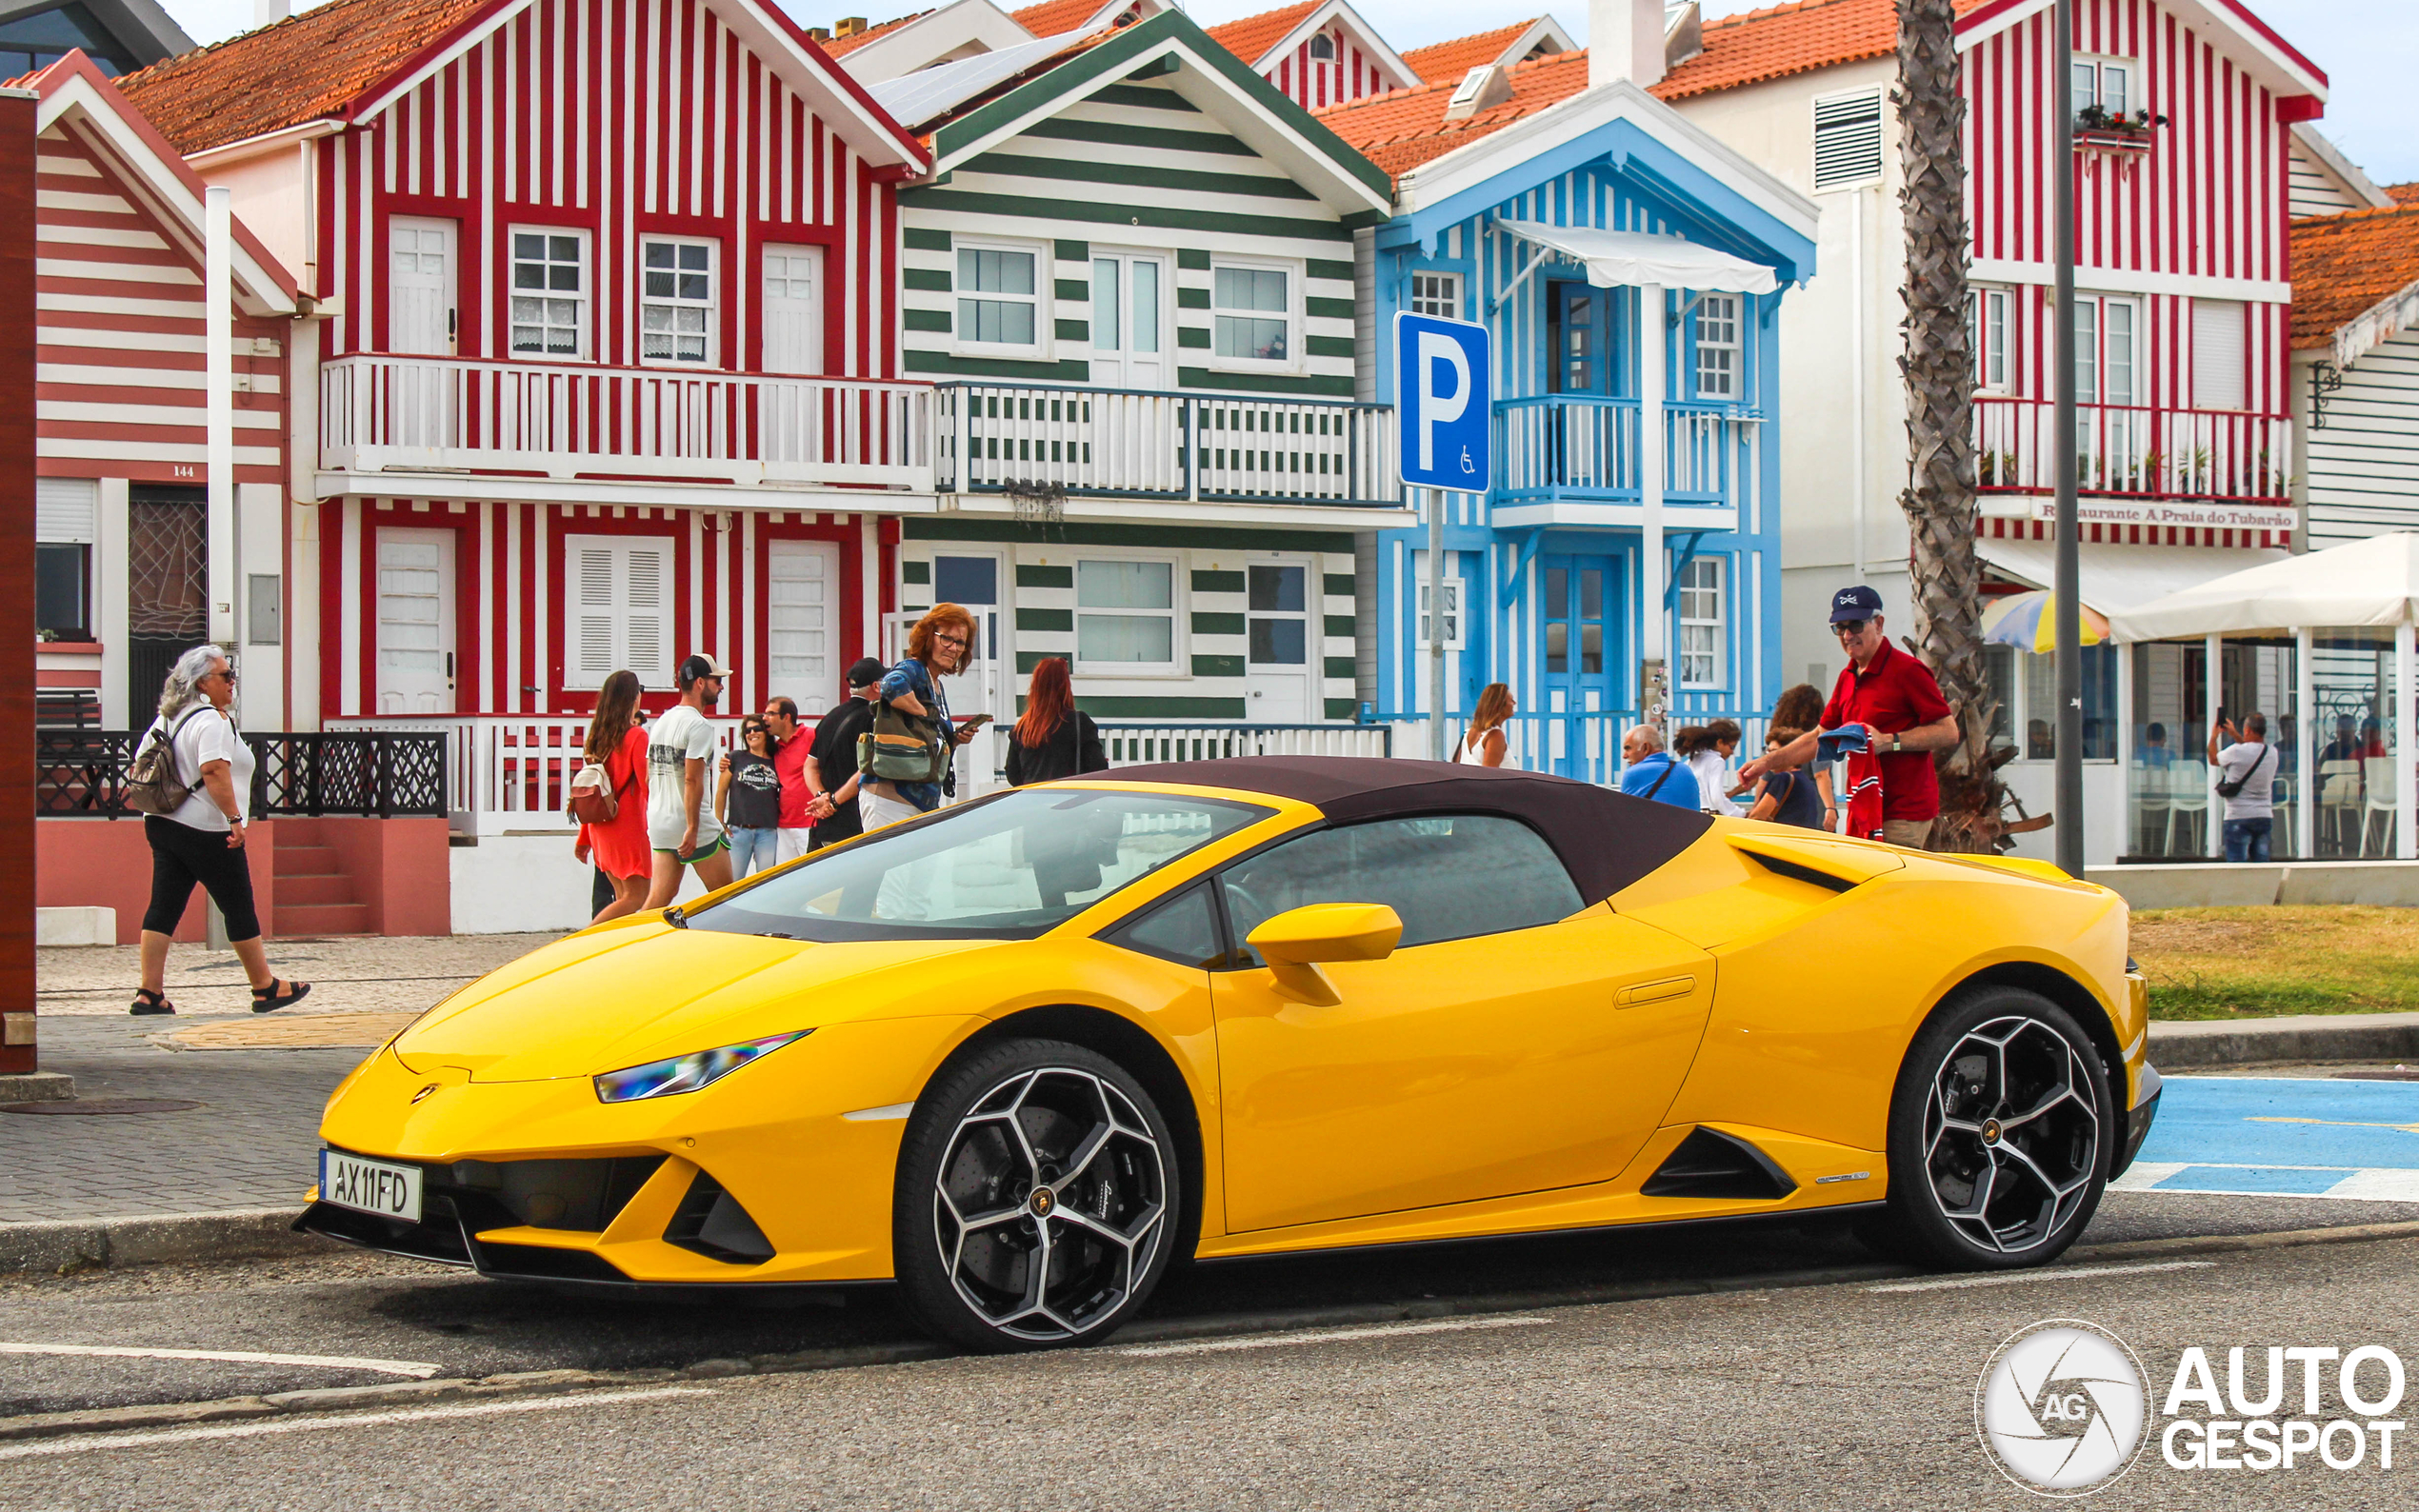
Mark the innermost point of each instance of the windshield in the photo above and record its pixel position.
(1008, 868)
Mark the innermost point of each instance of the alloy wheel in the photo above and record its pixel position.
(1050, 1203)
(2012, 1134)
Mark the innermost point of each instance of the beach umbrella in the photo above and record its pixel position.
(2029, 622)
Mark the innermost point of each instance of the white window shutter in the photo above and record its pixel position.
(646, 578)
(1848, 139)
(67, 509)
(2218, 359)
(617, 602)
(595, 589)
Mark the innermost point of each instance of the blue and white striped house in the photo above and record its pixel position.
(1561, 209)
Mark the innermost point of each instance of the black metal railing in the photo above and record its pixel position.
(387, 774)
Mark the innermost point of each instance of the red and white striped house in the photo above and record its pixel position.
(1319, 53)
(600, 357)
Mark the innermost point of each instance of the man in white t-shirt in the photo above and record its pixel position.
(680, 754)
(2252, 762)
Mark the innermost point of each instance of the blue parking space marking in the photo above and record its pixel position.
(2283, 1136)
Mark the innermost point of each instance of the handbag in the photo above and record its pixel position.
(152, 783)
(2234, 788)
(903, 747)
(595, 800)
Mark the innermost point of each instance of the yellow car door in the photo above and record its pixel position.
(1513, 1043)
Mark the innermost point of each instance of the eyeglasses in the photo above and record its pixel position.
(1850, 630)
(958, 640)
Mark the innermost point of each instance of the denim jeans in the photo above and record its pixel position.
(2247, 839)
(751, 850)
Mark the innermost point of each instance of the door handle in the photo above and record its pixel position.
(1630, 997)
(448, 670)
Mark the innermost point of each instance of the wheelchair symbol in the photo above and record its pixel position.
(1468, 466)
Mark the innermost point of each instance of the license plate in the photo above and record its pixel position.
(369, 1186)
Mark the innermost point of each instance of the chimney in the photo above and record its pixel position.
(1481, 88)
(819, 33)
(848, 26)
(1624, 41)
(269, 13)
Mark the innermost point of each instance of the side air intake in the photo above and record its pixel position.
(1710, 1164)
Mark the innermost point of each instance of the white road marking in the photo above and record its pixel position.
(1200, 1346)
(2055, 1273)
(384, 1367)
(357, 1420)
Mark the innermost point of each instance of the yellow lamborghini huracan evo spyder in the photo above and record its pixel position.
(1020, 1054)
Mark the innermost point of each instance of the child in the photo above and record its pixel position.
(1788, 796)
(1708, 750)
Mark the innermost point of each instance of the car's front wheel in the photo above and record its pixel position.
(1036, 1199)
(2001, 1132)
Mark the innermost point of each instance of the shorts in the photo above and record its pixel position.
(707, 846)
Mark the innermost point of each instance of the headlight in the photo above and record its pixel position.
(684, 1073)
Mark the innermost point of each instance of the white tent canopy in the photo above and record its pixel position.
(2371, 582)
(2118, 578)
(1625, 259)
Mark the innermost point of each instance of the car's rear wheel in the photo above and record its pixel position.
(1037, 1202)
(2001, 1131)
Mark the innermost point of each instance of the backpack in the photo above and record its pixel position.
(593, 799)
(152, 782)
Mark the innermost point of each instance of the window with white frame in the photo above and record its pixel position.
(2106, 350)
(1252, 313)
(66, 514)
(2220, 354)
(617, 608)
(1323, 49)
(1848, 139)
(1991, 331)
(1438, 294)
(1125, 615)
(2110, 84)
(1701, 622)
(1718, 347)
(1452, 612)
(999, 302)
(550, 292)
(676, 301)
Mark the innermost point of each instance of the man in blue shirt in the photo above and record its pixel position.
(1652, 774)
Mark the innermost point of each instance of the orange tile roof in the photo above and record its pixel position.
(838, 47)
(2343, 264)
(1402, 129)
(1055, 17)
(301, 68)
(1250, 37)
(2404, 193)
(1757, 46)
(1451, 60)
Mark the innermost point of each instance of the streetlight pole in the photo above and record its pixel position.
(2069, 605)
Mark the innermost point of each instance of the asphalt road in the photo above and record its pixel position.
(1847, 1394)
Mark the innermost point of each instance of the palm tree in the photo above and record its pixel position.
(1938, 367)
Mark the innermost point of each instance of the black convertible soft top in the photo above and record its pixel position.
(1607, 840)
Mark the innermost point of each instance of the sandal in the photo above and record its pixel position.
(268, 999)
(158, 1003)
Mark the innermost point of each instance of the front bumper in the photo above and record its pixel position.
(2138, 1119)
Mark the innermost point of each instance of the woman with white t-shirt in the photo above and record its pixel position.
(204, 839)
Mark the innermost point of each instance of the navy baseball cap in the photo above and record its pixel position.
(699, 667)
(1859, 603)
(865, 672)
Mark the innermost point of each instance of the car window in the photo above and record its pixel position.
(1182, 930)
(1007, 868)
(1450, 876)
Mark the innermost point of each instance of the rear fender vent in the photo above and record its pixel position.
(1798, 873)
(1710, 1164)
(712, 1223)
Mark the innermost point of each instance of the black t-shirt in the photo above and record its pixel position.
(834, 752)
(755, 792)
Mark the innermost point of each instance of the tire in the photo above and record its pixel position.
(2001, 1131)
(1033, 1150)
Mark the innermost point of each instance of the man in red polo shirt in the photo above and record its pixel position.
(1892, 792)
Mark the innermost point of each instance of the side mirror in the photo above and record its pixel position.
(1296, 941)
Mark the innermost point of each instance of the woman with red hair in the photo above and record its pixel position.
(1053, 738)
(940, 645)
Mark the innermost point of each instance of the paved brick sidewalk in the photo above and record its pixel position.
(365, 975)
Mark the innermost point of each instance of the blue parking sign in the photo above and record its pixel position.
(1440, 393)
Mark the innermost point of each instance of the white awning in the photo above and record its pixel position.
(1625, 259)
(2370, 581)
(2117, 578)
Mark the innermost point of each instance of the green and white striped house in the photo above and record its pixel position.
(1131, 273)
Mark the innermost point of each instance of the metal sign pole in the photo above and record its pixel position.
(1436, 625)
(2066, 577)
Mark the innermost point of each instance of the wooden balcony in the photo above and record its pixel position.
(1582, 446)
(382, 414)
(1153, 444)
(2134, 452)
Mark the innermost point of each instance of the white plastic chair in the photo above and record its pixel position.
(2378, 778)
(2338, 795)
(2149, 800)
(2188, 798)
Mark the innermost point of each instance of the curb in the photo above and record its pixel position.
(176, 1414)
(36, 1087)
(173, 1237)
(2196, 1043)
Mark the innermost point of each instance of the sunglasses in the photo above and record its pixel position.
(228, 675)
(1844, 628)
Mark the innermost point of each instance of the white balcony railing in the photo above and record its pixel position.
(2131, 449)
(1149, 444)
(568, 420)
(1585, 446)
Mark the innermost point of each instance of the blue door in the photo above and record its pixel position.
(1579, 661)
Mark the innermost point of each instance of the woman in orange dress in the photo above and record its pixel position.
(618, 741)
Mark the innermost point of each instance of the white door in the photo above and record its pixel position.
(802, 619)
(415, 622)
(420, 271)
(1129, 317)
(973, 581)
(1281, 663)
(794, 309)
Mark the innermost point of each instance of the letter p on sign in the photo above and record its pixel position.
(1440, 391)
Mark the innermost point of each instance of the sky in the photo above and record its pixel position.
(2364, 46)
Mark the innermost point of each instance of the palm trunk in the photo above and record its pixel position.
(1938, 367)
